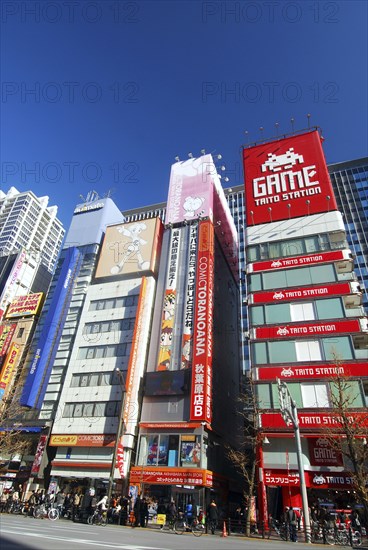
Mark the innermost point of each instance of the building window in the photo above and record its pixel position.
(170, 450)
(113, 303)
(88, 410)
(315, 395)
(20, 332)
(101, 352)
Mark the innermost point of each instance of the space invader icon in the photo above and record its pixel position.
(275, 163)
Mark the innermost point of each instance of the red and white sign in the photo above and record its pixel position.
(311, 259)
(290, 294)
(201, 392)
(317, 480)
(6, 336)
(291, 331)
(39, 454)
(312, 420)
(281, 478)
(120, 458)
(287, 178)
(186, 349)
(328, 480)
(312, 371)
(322, 454)
(169, 425)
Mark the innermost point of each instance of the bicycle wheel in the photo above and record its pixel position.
(179, 527)
(37, 512)
(90, 519)
(283, 532)
(198, 529)
(330, 537)
(53, 514)
(357, 539)
(342, 538)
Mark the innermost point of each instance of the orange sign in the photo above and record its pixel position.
(82, 440)
(23, 306)
(180, 476)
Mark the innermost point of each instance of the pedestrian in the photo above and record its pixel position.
(124, 502)
(171, 511)
(291, 521)
(212, 516)
(76, 503)
(356, 523)
(143, 513)
(189, 512)
(137, 511)
(60, 500)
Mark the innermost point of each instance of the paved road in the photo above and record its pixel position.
(20, 533)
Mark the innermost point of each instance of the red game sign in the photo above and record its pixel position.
(287, 178)
(306, 330)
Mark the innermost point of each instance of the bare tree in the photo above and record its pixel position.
(244, 458)
(12, 438)
(349, 438)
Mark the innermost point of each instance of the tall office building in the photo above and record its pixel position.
(350, 184)
(307, 325)
(30, 240)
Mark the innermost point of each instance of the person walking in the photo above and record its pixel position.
(143, 513)
(212, 516)
(292, 522)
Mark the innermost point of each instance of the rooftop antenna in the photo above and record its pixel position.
(190, 155)
(247, 134)
(177, 158)
(308, 118)
(261, 131)
(203, 151)
(277, 128)
(292, 120)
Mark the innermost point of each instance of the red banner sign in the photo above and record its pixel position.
(312, 420)
(281, 477)
(328, 480)
(282, 295)
(39, 454)
(201, 392)
(297, 330)
(312, 371)
(6, 337)
(311, 259)
(287, 178)
(316, 480)
(322, 454)
(120, 458)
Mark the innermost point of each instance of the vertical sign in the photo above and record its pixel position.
(169, 305)
(187, 345)
(7, 371)
(39, 454)
(201, 392)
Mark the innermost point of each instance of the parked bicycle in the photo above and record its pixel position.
(322, 535)
(42, 511)
(97, 518)
(281, 529)
(195, 526)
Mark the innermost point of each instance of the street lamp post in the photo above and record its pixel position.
(289, 413)
(119, 433)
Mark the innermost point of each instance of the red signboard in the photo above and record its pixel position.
(180, 476)
(298, 330)
(297, 372)
(120, 458)
(39, 454)
(317, 480)
(201, 392)
(289, 294)
(322, 454)
(328, 480)
(312, 420)
(281, 477)
(287, 178)
(311, 259)
(6, 337)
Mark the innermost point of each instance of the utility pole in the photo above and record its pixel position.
(290, 415)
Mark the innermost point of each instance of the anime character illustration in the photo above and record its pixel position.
(165, 348)
(132, 249)
(186, 352)
(191, 204)
(169, 306)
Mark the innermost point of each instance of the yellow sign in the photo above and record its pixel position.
(63, 440)
(24, 305)
(161, 519)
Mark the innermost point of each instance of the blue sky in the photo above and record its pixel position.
(121, 88)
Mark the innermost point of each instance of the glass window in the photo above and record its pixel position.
(298, 277)
(308, 350)
(329, 309)
(152, 450)
(74, 382)
(83, 380)
(278, 313)
(264, 399)
(88, 409)
(94, 378)
(259, 353)
(163, 450)
(68, 410)
(292, 248)
(104, 379)
(274, 251)
(110, 408)
(100, 352)
(256, 315)
(255, 282)
(275, 279)
(352, 393)
(314, 395)
(173, 454)
(190, 451)
(282, 352)
(143, 448)
(303, 311)
(337, 348)
(82, 353)
(311, 244)
(90, 353)
(78, 410)
(323, 274)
